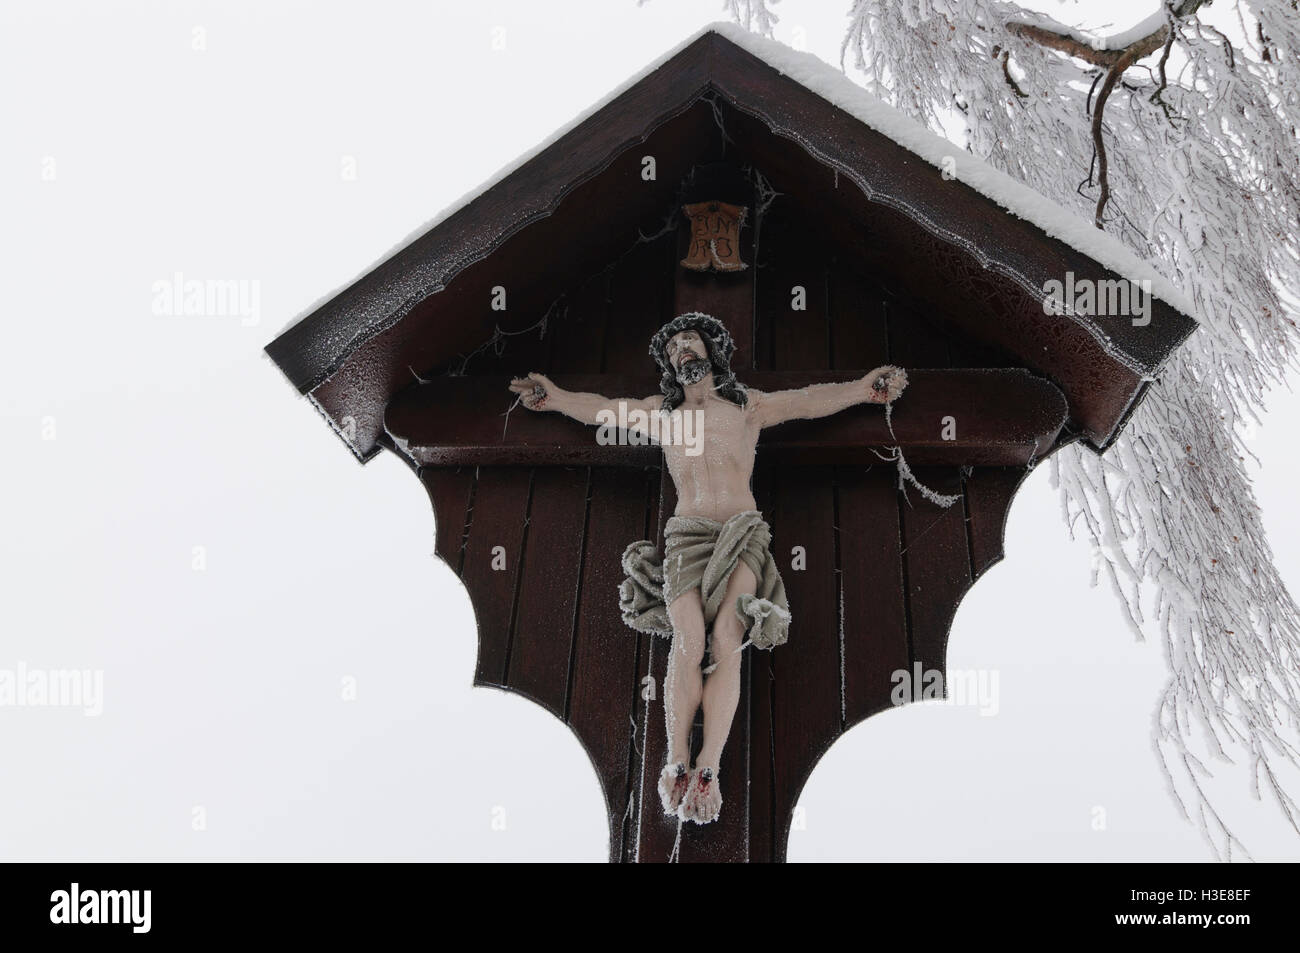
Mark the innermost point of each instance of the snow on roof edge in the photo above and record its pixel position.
(1010, 194)
(455, 206)
(836, 88)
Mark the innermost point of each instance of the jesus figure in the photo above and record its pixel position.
(717, 588)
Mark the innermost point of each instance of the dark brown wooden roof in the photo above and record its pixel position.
(557, 215)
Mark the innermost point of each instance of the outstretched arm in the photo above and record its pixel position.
(538, 392)
(881, 386)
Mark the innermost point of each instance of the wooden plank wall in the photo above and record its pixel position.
(548, 623)
(882, 575)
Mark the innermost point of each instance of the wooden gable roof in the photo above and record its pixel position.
(900, 264)
(953, 246)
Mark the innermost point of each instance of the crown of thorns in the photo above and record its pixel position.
(717, 339)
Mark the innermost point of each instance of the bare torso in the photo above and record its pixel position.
(710, 457)
(715, 482)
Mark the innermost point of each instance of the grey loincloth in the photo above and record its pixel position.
(703, 552)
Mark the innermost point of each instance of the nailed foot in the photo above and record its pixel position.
(673, 781)
(703, 800)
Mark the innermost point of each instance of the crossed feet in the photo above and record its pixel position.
(690, 794)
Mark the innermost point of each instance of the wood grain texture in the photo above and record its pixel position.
(1003, 417)
(604, 688)
(806, 671)
(936, 563)
(761, 686)
(451, 492)
(496, 539)
(871, 588)
(546, 613)
(989, 491)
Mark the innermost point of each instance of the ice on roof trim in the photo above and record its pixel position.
(830, 84)
(1016, 197)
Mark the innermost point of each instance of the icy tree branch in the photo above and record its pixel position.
(1116, 61)
(1202, 175)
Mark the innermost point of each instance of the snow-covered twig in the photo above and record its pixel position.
(1203, 175)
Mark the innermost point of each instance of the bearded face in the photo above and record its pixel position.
(695, 349)
(688, 356)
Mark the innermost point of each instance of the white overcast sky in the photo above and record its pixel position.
(222, 686)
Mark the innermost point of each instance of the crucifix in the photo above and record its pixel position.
(824, 247)
(718, 588)
(611, 533)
